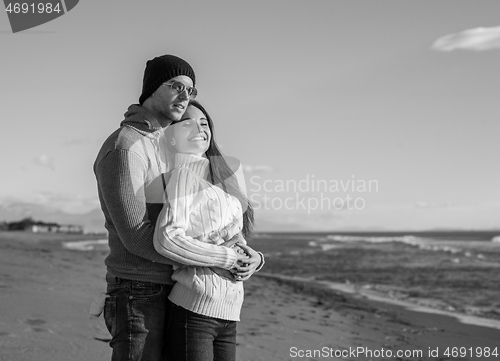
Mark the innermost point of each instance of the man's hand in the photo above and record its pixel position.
(237, 239)
(229, 232)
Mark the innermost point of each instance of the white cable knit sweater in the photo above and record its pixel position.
(196, 208)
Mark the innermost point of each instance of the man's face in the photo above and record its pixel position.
(167, 102)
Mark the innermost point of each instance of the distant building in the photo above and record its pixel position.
(70, 228)
(21, 225)
(30, 225)
(40, 227)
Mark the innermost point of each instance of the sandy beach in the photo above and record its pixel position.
(46, 292)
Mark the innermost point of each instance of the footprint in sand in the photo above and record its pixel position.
(313, 331)
(34, 321)
(37, 322)
(40, 329)
(256, 331)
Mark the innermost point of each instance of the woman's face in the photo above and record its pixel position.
(191, 134)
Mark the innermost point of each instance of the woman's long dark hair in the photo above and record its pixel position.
(224, 176)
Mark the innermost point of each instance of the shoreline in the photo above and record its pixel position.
(355, 291)
(301, 317)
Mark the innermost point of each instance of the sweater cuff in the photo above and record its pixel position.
(262, 262)
(232, 259)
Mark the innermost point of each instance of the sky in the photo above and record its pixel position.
(345, 114)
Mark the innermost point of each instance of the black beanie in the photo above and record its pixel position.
(161, 69)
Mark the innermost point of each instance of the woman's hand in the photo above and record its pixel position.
(248, 259)
(247, 265)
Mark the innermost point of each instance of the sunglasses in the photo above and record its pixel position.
(179, 88)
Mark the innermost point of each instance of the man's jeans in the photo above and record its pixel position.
(194, 337)
(135, 315)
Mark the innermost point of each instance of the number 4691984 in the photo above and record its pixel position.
(25, 8)
(471, 352)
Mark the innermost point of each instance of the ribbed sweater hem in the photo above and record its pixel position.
(207, 305)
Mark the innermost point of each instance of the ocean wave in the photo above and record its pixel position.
(371, 239)
(88, 245)
(430, 306)
(427, 244)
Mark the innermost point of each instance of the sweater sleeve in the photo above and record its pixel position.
(121, 177)
(170, 239)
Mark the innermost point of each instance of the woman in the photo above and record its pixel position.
(203, 197)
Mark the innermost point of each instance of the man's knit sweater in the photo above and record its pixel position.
(195, 209)
(130, 170)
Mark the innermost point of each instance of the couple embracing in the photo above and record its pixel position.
(177, 221)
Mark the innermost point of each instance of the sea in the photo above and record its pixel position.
(468, 242)
(450, 241)
(473, 255)
(464, 265)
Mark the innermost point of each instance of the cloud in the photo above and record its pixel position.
(432, 205)
(258, 168)
(385, 217)
(69, 203)
(80, 142)
(45, 161)
(478, 39)
(456, 206)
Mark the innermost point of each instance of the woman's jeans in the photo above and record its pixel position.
(194, 337)
(135, 315)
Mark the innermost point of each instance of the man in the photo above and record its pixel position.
(130, 170)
